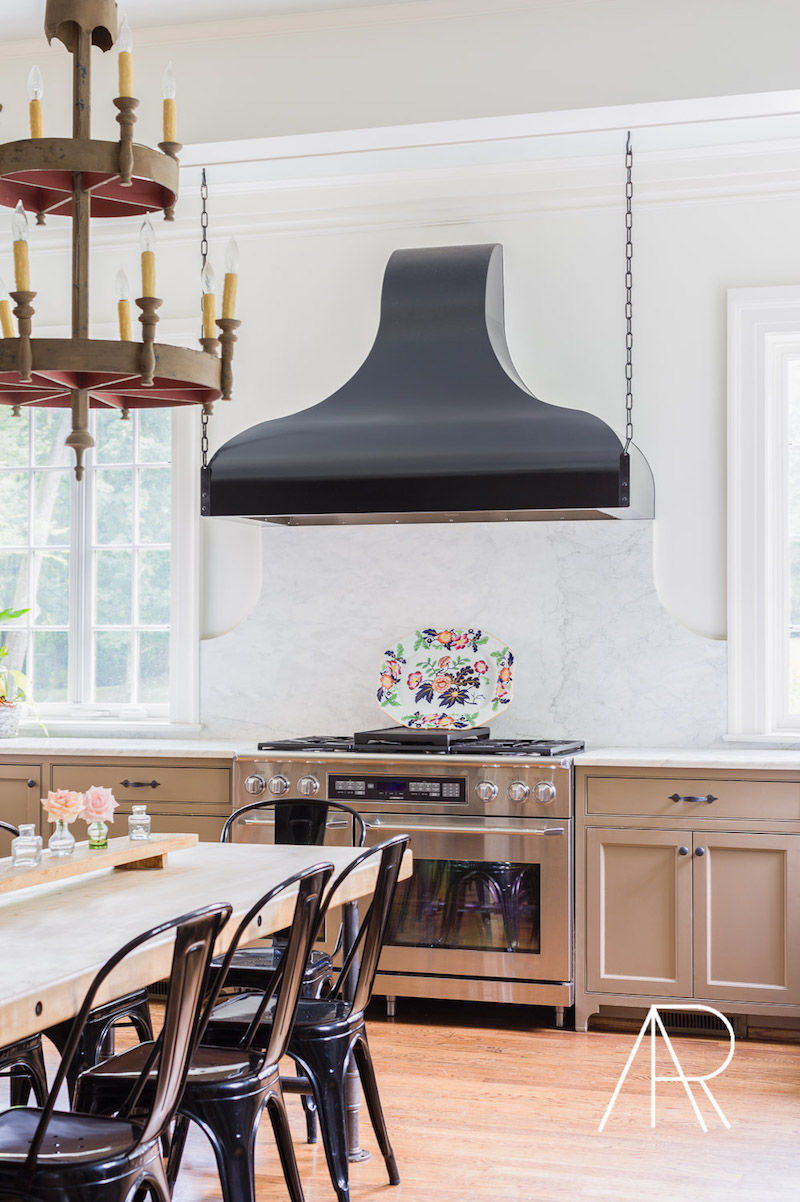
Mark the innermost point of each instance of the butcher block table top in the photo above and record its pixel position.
(55, 937)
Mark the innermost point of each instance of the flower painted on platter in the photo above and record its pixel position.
(481, 667)
(446, 720)
(387, 681)
(505, 673)
(461, 641)
(414, 679)
(444, 661)
(63, 805)
(394, 668)
(445, 637)
(441, 682)
(98, 805)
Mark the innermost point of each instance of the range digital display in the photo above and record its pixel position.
(448, 789)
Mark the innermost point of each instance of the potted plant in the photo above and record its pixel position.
(14, 685)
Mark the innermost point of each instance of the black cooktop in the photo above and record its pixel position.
(402, 741)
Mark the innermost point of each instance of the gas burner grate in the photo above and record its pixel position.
(402, 741)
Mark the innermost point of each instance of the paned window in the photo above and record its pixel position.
(91, 561)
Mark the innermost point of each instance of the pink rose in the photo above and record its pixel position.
(481, 666)
(461, 641)
(98, 805)
(394, 668)
(414, 679)
(63, 805)
(442, 682)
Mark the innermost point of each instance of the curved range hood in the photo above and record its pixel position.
(435, 426)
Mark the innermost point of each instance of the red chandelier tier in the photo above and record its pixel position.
(81, 178)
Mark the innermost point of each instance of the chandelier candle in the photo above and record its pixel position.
(19, 230)
(231, 279)
(125, 62)
(169, 91)
(147, 241)
(209, 302)
(124, 307)
(6, 323)
(35, 94)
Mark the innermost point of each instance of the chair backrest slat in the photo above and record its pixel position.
(301, 821)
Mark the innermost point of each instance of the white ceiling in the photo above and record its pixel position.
(24, 20)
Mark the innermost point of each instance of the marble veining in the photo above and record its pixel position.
(597, 656)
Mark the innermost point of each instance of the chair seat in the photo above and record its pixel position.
(249, 965)
(68, 1136)
(231, 1017)
(208, 1065)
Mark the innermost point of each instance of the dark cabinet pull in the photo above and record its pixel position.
(683, 851)
(140, 784)
(678, 797)
(699, 851)
(32, 783)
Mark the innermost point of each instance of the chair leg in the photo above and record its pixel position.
(325, 1062)
(177, 1144)
(310, 1111)
(231, 1127)
(366, 1071)
(283, 1138)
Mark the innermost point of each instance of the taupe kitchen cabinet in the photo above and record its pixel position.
(20, 791)
(688, 889)
(193, 796)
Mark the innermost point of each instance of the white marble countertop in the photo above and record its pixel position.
(120, 745)
(730, 758)
(722, 757)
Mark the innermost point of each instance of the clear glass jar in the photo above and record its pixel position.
(139, 823)
(26, 849)
(62, 841)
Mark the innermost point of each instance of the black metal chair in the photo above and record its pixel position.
(227, 1088)
(299, 822)
(55, 1156)
(23, 1062)
(328, 1031)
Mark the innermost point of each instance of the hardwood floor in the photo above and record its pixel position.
(485, 1105)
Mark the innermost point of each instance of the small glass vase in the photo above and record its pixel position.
(62, 841)
(98, 835)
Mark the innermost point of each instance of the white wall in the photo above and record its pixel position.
(427, 60)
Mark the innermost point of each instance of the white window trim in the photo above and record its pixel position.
(763, 333)
(184, 702)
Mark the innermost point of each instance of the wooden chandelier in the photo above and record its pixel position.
(83, 178)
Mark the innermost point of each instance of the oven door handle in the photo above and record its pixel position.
(409, 827)
(336, 822)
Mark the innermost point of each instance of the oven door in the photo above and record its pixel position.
(487, 898)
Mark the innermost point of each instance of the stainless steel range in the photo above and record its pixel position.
(487, 914)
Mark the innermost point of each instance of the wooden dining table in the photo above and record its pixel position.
(55, 937)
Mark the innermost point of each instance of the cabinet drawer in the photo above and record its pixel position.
(652, 797)
(149, 784)
(20, 794)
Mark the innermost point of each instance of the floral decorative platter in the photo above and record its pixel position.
(446, 678)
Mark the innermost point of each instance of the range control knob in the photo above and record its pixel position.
(544, 791)
(255, 784)
(518, 791)
(308, 786)
(486, 790)
(278, 785)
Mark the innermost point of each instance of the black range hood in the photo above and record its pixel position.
(435, 426)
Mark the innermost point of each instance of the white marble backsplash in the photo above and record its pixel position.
(597, 656)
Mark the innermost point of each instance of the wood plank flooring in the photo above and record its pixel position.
(485, 1104)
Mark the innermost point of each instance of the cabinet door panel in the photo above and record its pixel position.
(747, 917)
(638, 912)
(19, 801)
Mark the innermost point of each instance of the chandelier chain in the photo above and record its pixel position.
(628, 293)
(203, 261)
